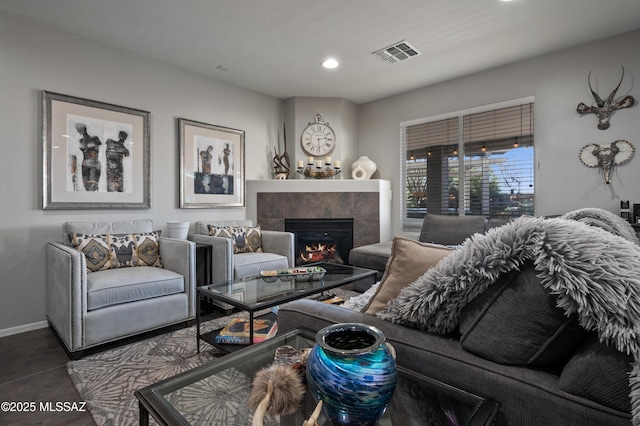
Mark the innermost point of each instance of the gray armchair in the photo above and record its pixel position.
(89, 309)
(277, 246)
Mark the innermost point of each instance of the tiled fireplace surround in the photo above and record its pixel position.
(275, 207)
(332, 200)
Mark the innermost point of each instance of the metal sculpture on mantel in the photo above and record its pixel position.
(604, 108)
(607, 156)
(281, 164)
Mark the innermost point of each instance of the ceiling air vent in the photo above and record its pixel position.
(397, 52)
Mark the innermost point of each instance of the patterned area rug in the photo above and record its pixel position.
(107, 380)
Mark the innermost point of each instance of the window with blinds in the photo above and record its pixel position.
(471, 164)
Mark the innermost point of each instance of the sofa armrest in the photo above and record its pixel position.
(179, 256)
(312, 315)
(278, 242)
(66, 301)
(221, 256)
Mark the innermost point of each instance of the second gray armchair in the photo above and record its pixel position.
(227, 264)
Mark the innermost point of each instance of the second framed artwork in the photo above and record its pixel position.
(211, 165)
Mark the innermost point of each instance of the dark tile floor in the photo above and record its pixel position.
(33, 368)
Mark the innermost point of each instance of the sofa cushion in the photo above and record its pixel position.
(409, 260)
(494, 222)
(246, 239)
(600, 373)
(371, 256)
(110, 251)
(202, 227)
(516, 321)
(100, 228)
(250, 264)
(117, 286)
(450, 230)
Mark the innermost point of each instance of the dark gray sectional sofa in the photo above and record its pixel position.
(438, 229)
(512, 344)
(527, 395)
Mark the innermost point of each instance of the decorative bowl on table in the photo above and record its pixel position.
(298, 274)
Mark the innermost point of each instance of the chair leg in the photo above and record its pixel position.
(75, 356)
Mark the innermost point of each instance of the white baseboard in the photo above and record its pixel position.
(23, 328)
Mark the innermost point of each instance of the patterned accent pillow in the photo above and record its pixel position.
(110, 251)
(246, 239)
(96, 249)
(147, 249)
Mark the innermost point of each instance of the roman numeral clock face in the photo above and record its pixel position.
(318, 138)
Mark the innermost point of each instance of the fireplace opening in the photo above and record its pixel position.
(321, 240)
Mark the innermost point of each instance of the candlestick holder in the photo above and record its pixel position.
(315, 172)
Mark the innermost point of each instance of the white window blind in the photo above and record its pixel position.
(472, 164)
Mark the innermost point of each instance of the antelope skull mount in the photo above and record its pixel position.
(607, 156)
(604, 108)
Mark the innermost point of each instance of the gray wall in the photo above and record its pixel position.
(34, 58)
(559, 82)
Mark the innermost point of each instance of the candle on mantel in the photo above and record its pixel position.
(300, 164)
(310, 160)
(319, 164)
(327, 160)
(336, 164)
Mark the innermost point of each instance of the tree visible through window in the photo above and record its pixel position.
(472, 164)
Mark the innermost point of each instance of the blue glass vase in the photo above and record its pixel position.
(353, 372)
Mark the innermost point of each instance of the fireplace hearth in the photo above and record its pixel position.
(321, 240)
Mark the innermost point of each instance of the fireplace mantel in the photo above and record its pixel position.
(368, 202)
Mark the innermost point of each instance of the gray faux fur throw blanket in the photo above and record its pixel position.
(605, 220)
(592, 272)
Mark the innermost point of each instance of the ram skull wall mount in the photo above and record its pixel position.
(604, 108)
(607, 156)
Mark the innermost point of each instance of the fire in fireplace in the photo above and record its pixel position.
(321, 240)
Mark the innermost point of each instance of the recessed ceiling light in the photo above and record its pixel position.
(330, 63)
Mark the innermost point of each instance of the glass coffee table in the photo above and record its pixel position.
(256, 294)
(216, 394)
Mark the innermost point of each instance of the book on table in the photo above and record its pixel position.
(236, 332)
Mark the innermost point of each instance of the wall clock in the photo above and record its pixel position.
(318, 138)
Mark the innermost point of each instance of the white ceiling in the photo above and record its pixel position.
(276, 46)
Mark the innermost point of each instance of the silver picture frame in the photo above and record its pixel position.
(211, 165)
(95, 155)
